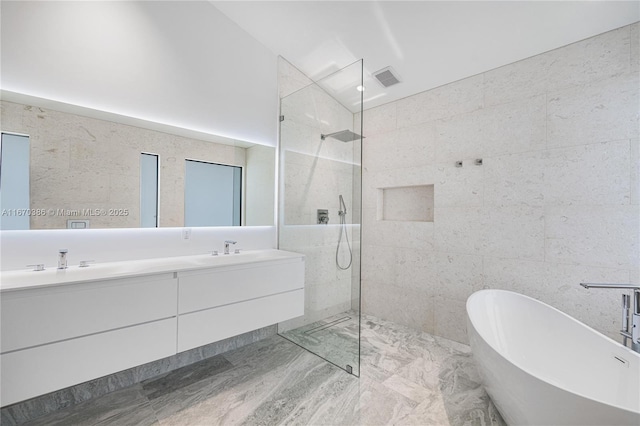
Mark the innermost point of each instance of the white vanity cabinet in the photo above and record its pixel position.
(59, 329)
(58, 336)
(218, 303)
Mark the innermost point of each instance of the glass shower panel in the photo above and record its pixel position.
(320, 202)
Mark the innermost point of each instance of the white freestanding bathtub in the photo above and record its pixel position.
(543, 367)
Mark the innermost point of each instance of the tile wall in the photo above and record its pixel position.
(554, 203)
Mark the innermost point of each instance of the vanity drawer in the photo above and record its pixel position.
(38, 316)
(212, 325)
(216, 287)
(36, 371)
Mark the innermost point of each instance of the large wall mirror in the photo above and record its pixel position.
(63, 166)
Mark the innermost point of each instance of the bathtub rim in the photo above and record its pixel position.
(527, 371)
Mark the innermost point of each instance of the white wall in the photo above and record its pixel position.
(555, 202)
(174, 62)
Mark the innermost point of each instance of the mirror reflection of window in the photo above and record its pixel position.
(212, 194)
(148, 190)
(14, 182)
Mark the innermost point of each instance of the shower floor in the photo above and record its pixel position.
(335, 339)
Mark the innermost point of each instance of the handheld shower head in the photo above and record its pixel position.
(343, 207)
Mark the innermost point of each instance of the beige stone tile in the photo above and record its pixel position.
(404, 148)
(327, 297)
(378, 120)
(369, 190)
(458, 275)
(125, 190)
(378, 152)
(510, 232)
(410, 176)
(291, 236)
(442, 102)
(634, 41)
(319, 264)
(415, 269)
(518, 126)
(634, 275)
(519, 80)
(595, 174)
(11, 117)
(522, 276)
(515, 232)
(460, 137)
(605, 236)
(597, 112)
(459, 186)
(290, 79)
(377, 264)
(593, 59)
(459, 229)
(515, 179)
(450, 317)
(418, 142)
(49, 160)
(635, 171)
(404, 306)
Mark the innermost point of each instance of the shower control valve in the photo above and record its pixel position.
(323, 216)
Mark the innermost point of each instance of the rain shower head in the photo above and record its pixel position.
(343, 136)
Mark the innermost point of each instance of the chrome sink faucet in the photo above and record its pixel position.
(226, 245)
(62, 258)
(628, 317)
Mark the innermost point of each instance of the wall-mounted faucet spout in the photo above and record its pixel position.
(62, 258)
(614, 286)
(226, 245)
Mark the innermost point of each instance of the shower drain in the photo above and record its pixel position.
(327, 325)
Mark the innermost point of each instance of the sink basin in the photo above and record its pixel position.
(16, 280)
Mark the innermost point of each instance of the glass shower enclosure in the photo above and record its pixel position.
(320, 155)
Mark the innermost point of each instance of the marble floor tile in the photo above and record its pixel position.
(128, 406)
(407, 378)
(185, 376)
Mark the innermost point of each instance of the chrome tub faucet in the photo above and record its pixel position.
(629, 318)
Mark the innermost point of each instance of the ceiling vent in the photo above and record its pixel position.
(387, 76)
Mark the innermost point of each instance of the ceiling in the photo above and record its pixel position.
(428, 43)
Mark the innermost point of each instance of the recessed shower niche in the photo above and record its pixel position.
(406, 203)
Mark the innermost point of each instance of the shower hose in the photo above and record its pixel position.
(343, 231)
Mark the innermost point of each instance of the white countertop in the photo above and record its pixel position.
(27, 278)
